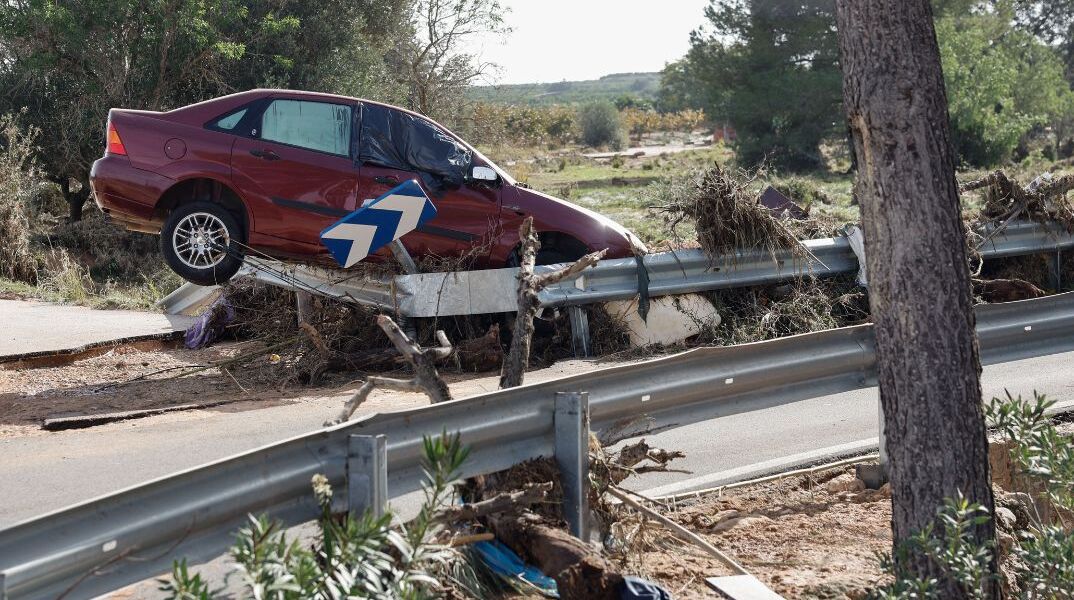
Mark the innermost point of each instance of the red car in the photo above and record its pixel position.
(265, 171)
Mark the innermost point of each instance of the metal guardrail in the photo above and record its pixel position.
(678, 272)
(128, 536)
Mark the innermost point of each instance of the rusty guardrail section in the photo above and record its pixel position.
(106, 543)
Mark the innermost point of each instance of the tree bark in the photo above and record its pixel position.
(928, 363)
(579, 570)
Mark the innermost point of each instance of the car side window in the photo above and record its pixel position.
(320, 126)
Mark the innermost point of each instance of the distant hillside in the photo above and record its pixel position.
(609, 87)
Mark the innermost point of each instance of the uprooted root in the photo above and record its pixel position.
(725, 213)
(1043, 200)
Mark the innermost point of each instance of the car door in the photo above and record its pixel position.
(299, 164)
(467, 214)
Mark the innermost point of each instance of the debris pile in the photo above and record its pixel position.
(801, 306)
(337, 336)
(725, 212)
(1043, 200)
(522, 508)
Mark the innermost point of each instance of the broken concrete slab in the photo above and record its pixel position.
(671, 319)
(742, 587)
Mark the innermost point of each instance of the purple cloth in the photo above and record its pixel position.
(210, 324)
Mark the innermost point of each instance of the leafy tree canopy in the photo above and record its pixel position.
(770, 68)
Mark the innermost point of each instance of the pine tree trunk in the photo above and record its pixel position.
(919, 282)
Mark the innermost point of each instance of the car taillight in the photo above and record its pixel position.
(115, 145)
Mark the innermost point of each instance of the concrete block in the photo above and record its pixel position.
(672, 319)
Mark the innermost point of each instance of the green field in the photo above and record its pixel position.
(622, 188)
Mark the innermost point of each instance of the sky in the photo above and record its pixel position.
(556, 40)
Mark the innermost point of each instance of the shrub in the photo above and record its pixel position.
(1041, 561)
(364, 557)
(600, 125)
(16, 147)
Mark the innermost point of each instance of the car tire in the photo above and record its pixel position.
(200, 242)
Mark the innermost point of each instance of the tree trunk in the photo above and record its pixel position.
(75, 200)
(928, 364)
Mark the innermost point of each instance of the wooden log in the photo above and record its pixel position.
(481, 354)
(579, 570)
(531, 494)
(1006, 290)
(529, 286)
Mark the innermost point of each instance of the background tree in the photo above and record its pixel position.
(928, 364)
(770, 68)
(435, 63)
(600, 125)
(1003, 84)
(1051, 21)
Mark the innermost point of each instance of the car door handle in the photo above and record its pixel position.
(387, 179)
(265, 154)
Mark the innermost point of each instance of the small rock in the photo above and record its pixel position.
(846, 482)
(1005, 519)
(733, 523)
(1021, 506)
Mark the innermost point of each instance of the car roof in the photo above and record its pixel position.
(203, 111)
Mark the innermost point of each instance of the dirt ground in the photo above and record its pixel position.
(811, 536)
(96, 384)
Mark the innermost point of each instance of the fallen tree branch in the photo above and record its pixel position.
(680, 531)
(426, 379)
(532, 493)
(1034, 200)
(529, 286)
(472, 538)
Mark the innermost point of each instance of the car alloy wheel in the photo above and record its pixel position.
(200, 240)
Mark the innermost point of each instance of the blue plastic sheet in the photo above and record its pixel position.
(502, 561)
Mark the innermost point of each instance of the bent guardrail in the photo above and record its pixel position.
(103, 544)
(676, 272)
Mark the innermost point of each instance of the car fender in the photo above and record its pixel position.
(553, 215)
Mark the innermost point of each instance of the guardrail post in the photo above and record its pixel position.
(1055, 270)
(875, 476)
(367, 474)
(572, 456)
(579, 330)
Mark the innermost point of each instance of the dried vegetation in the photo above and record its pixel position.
(724, 210)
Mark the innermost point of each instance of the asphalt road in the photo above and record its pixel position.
(32, 326)
(42, 473)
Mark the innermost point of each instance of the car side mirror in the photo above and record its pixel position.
(482, 173)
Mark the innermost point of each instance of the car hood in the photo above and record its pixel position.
(553, 213)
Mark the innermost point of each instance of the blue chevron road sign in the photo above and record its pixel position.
(384, 220)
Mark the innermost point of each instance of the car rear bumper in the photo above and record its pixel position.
(126, 194)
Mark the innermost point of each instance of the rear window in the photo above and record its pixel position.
(231, 121)
(320, 126)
